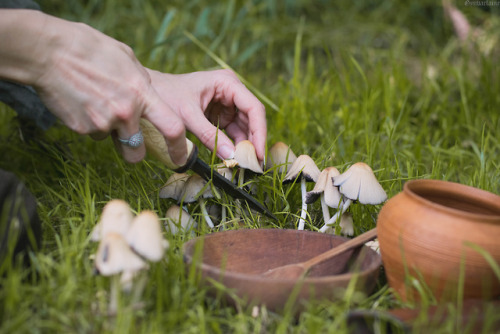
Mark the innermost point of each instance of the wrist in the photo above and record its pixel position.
(25, 47)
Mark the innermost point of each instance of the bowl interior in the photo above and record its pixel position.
(252, 252)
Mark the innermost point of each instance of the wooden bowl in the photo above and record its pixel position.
(431, 230)
(237, 258)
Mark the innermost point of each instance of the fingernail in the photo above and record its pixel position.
(225, 152)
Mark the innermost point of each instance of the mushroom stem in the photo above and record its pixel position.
(204, 211)
(303, 212)
(241, 177)
(113, 298)
(241, 181)
(223, 214)
(334, 218)
(139, 289)
(324, 207)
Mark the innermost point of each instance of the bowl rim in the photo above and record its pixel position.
(188, 259)
(456, 188)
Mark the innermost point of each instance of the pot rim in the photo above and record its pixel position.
(470, 193)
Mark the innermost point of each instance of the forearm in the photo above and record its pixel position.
(25, 38)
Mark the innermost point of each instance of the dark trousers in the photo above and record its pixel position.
(20, 228)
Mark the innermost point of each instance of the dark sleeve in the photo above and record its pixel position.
(23, 99)
(26, 4)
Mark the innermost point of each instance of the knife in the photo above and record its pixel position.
(156, 145)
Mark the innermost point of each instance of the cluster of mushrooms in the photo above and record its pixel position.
(126, 244)
(127, 241)
(335, 190)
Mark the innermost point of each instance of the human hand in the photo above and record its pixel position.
(204, 100)
(92, 82)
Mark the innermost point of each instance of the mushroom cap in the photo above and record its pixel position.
(174, 185)
(325, 186)
(115, 256)
(116, 217)
(304, 167)
(346, 224)
(178, 219)
(247, 158)
(145, 236)
(374, 244)
(193, 187)
(280, 155)
(358, 183)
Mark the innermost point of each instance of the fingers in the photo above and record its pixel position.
(209, 135)
(130, 143)
(236, 93)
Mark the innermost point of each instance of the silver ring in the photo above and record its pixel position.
(135, 140)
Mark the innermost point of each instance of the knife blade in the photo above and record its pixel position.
(156, 145)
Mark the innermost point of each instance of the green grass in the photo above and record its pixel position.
(387, 84)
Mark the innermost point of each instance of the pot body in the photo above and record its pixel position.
(430, 232)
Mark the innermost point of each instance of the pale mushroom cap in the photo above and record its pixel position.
(193, 187)
(359, 183)
(145, 236)
(174, 186)
(280, 155)
(346, 224)
(325, 186)
(115, 256)
(305, 167)
(374, 244)
(247, 158)
(178, 219)
(116, 217)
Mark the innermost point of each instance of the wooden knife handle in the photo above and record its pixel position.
(156, 146)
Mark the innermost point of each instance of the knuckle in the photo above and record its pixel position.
(229, 75)
(127, 49)
(176, 129)
(206, 137)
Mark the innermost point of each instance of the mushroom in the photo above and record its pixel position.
(280, 155)
(116, 217)
(324, 188)
(358, 183)
(178, 220)
(374, 244)
(195, 190)
(246, 157)
(145, 237)
(346, 225)
(305, 169)
(174, 185)
(113, 257)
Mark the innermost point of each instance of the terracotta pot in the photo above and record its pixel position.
(425, 233)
